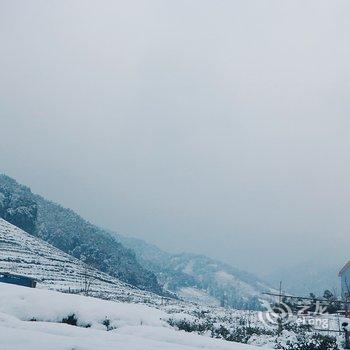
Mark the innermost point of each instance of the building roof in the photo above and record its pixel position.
(5, 274)
(345, 267)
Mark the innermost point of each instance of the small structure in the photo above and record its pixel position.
(25, 281)
(344, 274)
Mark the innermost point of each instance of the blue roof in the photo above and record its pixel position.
(7, 274)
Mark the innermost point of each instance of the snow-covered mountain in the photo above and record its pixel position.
(198, 278)
(24, 254)
(67, 231)
(194, 278)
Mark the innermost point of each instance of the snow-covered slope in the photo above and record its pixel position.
(69, 232)
(198, 278)
(24, 254)
(31, 319)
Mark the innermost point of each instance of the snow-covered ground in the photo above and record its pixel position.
(32, 319)
(135, 319)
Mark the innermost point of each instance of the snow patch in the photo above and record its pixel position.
(198, 296)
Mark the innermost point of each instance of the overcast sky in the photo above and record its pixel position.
(217, 127)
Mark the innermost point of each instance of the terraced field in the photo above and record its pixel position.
(24, 254)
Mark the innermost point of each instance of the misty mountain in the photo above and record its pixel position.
(67, 231)
(192, 277)
(198, 278)
(307, 277)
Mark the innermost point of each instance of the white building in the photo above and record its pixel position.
(344, 274)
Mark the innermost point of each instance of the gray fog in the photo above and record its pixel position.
(215, 127)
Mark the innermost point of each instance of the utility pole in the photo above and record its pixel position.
(346, 335)
(279, 320)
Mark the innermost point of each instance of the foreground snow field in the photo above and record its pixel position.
(32, 319)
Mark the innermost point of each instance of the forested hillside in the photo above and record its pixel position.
(66, 230)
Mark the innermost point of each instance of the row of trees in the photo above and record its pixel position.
(18, 209)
